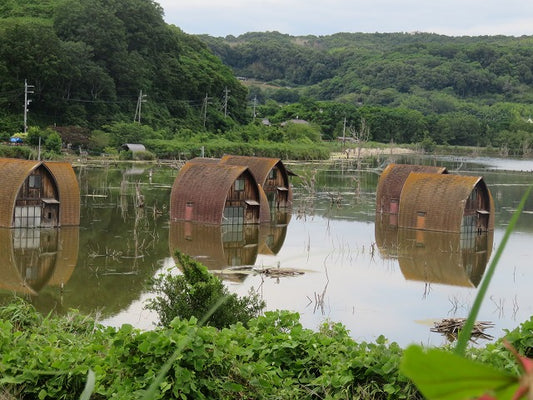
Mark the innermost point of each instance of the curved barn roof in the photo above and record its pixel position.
(207, 185)
(441, 197)
(260, 166)
(134, 147)
(392, 179)
(13, 172)
(69, 192)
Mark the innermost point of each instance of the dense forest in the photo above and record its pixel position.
(87, 61)
(93, 67)
(407, 86)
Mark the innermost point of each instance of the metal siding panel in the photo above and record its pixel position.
(392, 180)
(207, 185)
(441, 197)
(13, 173)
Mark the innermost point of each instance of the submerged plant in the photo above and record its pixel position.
(195, 293)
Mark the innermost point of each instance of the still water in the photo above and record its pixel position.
(341, 265)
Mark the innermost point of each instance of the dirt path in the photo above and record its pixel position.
(368, 152)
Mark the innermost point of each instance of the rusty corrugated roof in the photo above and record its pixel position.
(392, 179)
(441, 197)
(206, 185)
(13, 173)
(261, 167)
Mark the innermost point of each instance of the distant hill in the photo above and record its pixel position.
(362, 65)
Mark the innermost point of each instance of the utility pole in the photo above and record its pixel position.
(255, 103)
(206, 102)
(27, 90)
(141, 99)
(226, 98)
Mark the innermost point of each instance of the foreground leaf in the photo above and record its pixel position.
(442, 375)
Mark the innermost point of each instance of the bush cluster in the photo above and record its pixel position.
(274, 357)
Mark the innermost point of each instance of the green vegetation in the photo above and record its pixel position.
(96, 66)
(196, 293)
(473, 91)
(273, 358)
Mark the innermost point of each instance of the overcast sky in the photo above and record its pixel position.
(325, 17)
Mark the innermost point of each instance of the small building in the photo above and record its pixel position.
(38, 194)
(391, 183)
(447, 203)
(271, 174)
(215, 193)
(133, 147)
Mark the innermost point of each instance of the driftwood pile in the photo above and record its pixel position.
(450, 327)
(273, 272)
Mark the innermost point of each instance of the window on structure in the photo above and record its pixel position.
(239, 185)
(393, 209)
(272, 174)
(34, 181)
(233, 215)
(27, 216)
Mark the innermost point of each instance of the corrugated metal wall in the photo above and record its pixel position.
(437, 202)
(391, 183)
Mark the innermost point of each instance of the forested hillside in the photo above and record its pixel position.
(456, 90)
(93, 66)
(87, 61)
(496, 68)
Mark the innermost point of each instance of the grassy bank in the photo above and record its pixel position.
(273, 358)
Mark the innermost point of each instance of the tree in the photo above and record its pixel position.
(53, 143)
(361, 136)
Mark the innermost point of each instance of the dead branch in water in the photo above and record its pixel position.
(450, 327)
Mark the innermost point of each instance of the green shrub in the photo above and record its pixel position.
(143, 155)
(23, 152)
(125, 155)
(198, 293)
(53, 143)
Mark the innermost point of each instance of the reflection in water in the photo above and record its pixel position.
(435, 257)
(223, 246)
(35, 258)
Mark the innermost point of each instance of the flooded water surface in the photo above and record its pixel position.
(329, 259)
